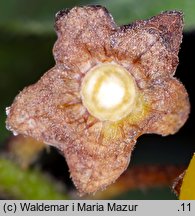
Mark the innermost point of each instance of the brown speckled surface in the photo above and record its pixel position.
(52, 111)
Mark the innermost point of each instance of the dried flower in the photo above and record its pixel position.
(110, 85)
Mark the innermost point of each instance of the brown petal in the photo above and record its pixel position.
(170, 26)
(170, 105)
(151, 45)
(44, 109)
(96, 160)
(83, 36)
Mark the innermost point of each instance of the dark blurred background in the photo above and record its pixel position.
(26, 40)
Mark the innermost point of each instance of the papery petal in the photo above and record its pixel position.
(83, 36)
(169, 104)
(44, 110)
(150, 46)
(170, 26)
(98, 156)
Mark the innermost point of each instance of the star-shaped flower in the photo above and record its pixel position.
(110, 85)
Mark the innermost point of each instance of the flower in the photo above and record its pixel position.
(110, 85)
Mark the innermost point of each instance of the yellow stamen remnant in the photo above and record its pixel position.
(108, 92)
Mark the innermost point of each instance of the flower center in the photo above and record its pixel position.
(108, 92)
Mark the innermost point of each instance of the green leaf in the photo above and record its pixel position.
(27, 184)
(24, 17)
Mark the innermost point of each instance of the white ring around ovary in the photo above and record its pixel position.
(108, 92)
